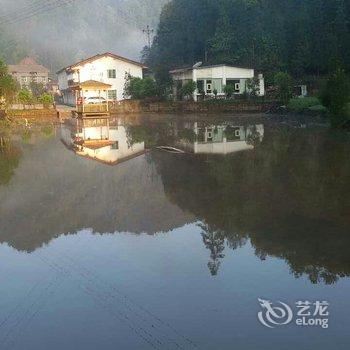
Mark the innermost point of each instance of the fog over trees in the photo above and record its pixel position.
(60, 32)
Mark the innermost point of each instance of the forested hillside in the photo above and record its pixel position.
(299, 36)
(64, 31)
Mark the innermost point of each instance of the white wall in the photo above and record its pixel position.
(224, 72)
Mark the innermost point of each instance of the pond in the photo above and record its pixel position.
(165, 232)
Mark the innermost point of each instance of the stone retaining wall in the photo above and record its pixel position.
(132, 106)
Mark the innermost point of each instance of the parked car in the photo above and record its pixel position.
(94, 100)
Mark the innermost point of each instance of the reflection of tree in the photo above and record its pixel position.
(214, 241)
(151, 134)
(291, 195)
(9, 159)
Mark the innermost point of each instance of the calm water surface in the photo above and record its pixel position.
(115, 244)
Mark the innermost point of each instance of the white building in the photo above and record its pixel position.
(107, 69)
(213, 78)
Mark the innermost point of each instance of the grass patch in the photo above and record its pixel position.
(302, 103)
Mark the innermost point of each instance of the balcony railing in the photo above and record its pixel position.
(95, 108)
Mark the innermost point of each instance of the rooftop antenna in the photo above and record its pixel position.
(148, 31)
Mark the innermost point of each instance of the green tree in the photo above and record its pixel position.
(252, 86)
(46, 99)
(8, 86)
(336, 97)
(229, 90)
(25, 97)
(284, 84)
(188, 89)
(37, 89)
(139, 89)
(273, 35)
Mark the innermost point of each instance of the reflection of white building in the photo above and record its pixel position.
(101, 139)
(221, 139)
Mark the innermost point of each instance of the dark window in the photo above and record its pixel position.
(200, 86)
(111, 73)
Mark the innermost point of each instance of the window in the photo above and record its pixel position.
(112, 94)
(111, 73)
(115, 145)
(209, 87)
(217, 85)
(237, 133)
(236, 83)
(200, 86)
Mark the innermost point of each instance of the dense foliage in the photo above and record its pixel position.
(8, 86)
(139, 89)
(300, 37)
(335, 97)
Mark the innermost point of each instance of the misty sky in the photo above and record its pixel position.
(60, 32)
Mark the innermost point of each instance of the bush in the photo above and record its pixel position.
(25, 97)
(336, 96)
(139, 89)
(284, 85)
(302, 103)
(318, 108)
(46, 99)
(8, 86)
(189, 88)
(229, 90)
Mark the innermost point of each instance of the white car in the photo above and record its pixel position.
(94, 100)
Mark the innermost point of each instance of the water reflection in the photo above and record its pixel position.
(10, 155)
(102, 139)
(226, 138)
(288, 195)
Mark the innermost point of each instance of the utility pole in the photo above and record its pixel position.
(148, 31)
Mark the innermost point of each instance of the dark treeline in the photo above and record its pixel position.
(298, 36)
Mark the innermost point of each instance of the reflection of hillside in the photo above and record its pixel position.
(290, 197)
(55, 192)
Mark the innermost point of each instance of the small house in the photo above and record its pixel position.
(211, 80)
(28, 71)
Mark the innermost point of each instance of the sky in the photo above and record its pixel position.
(59, 32)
